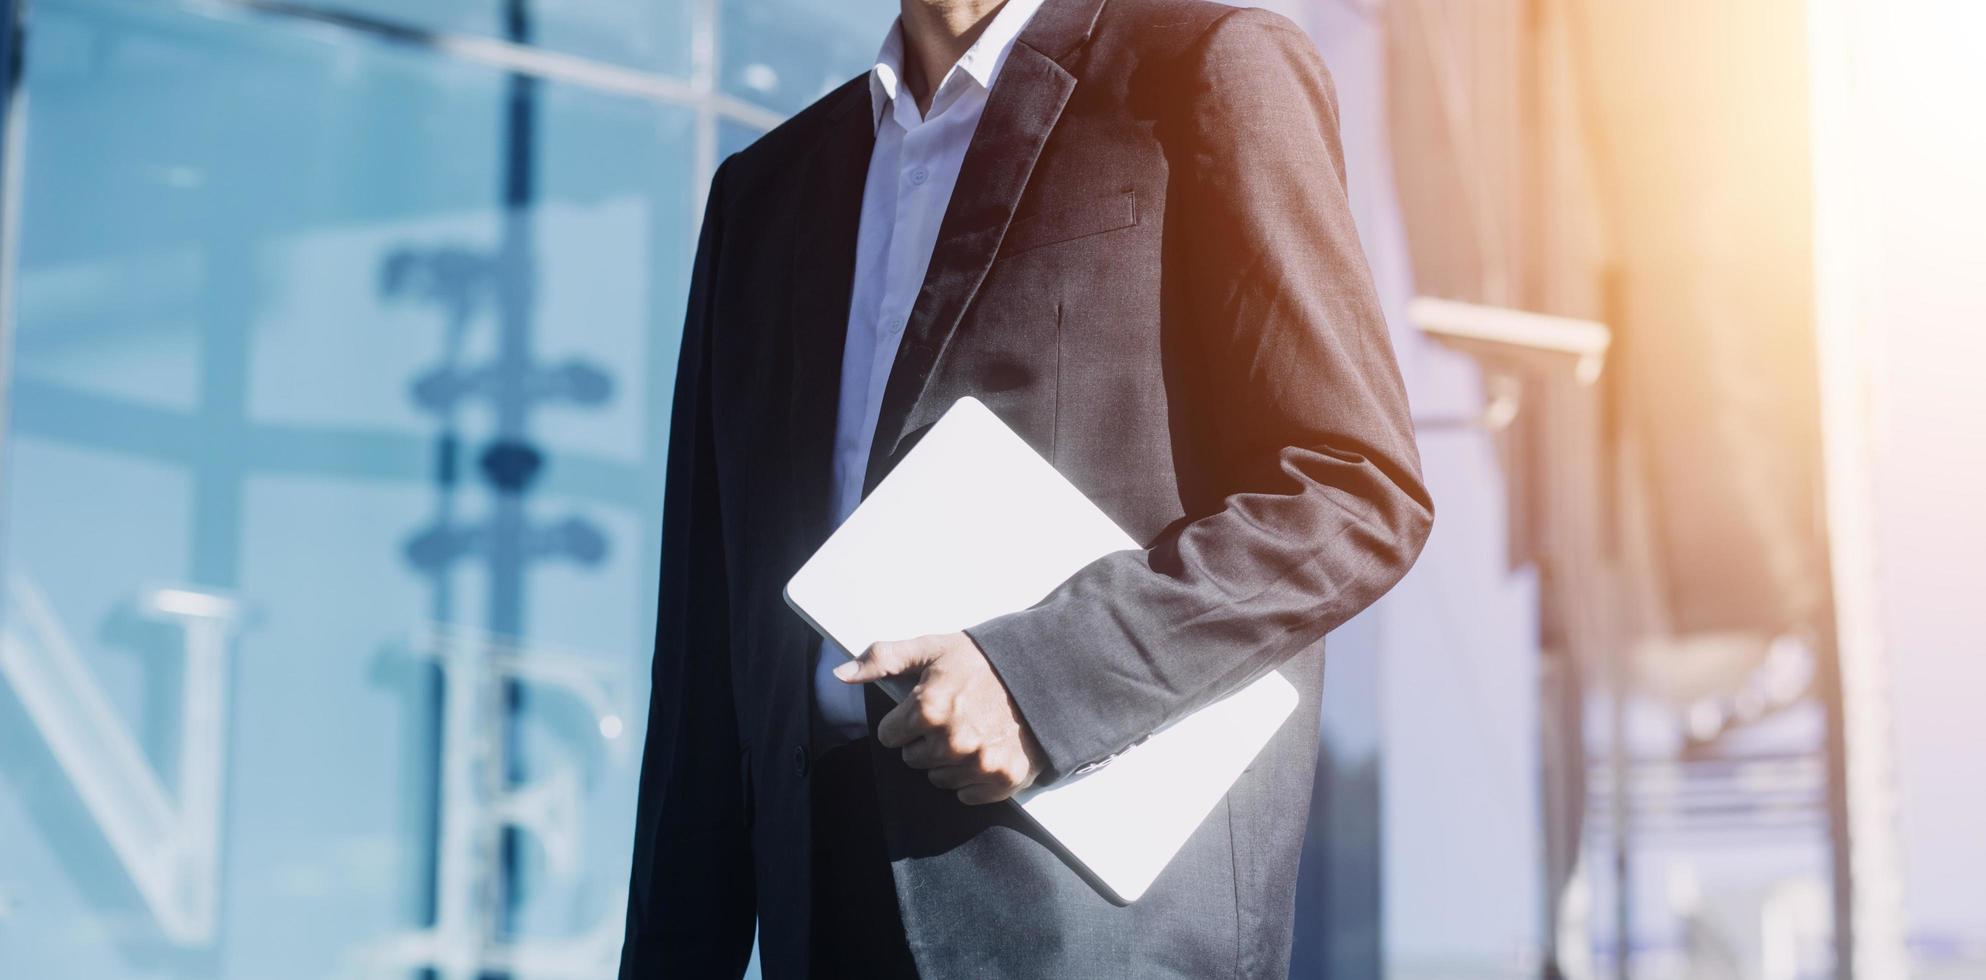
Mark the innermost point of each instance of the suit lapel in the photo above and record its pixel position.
(1021, 111)
(823, 272)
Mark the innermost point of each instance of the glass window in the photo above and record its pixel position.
(784, 54)
(333, 445)
(649, 35)
(294, 393)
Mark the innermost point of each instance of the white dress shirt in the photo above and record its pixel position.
(911, 173)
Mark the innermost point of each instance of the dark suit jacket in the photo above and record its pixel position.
(1149, 270)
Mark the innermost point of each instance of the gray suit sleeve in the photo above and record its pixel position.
(1323, 507)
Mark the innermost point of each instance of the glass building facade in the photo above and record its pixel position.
(336, 407)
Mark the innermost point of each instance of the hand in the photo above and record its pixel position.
(959, 724)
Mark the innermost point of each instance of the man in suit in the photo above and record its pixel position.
(1122, 225)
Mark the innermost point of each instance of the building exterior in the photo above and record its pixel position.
(342, 339)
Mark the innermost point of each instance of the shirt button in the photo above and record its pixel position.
(893, 325)
(799, 760)
(919, 176)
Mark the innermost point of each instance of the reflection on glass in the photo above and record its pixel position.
(647, 35)
(333, 451)
(784, 54)
(329, 501)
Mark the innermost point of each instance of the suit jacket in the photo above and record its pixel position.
(1149, 270)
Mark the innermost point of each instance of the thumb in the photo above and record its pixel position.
(885, 659)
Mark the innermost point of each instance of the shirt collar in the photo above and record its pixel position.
(981, 62)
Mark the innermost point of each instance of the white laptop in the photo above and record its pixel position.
(973, 524)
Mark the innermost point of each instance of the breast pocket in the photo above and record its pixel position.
(1065, 224)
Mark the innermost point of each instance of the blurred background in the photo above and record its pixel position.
(339, 339)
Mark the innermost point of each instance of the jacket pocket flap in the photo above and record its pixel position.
(1110, 213)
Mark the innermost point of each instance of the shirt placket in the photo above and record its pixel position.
(912, 176)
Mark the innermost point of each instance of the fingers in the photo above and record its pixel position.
(911, 719)
(976, 782)
(973, 785)
(936, 749)
(958, 724)
(887, 659)
(957, 777)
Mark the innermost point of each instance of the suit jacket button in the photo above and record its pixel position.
(799, 760)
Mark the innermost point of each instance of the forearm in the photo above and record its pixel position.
(1140, 638)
